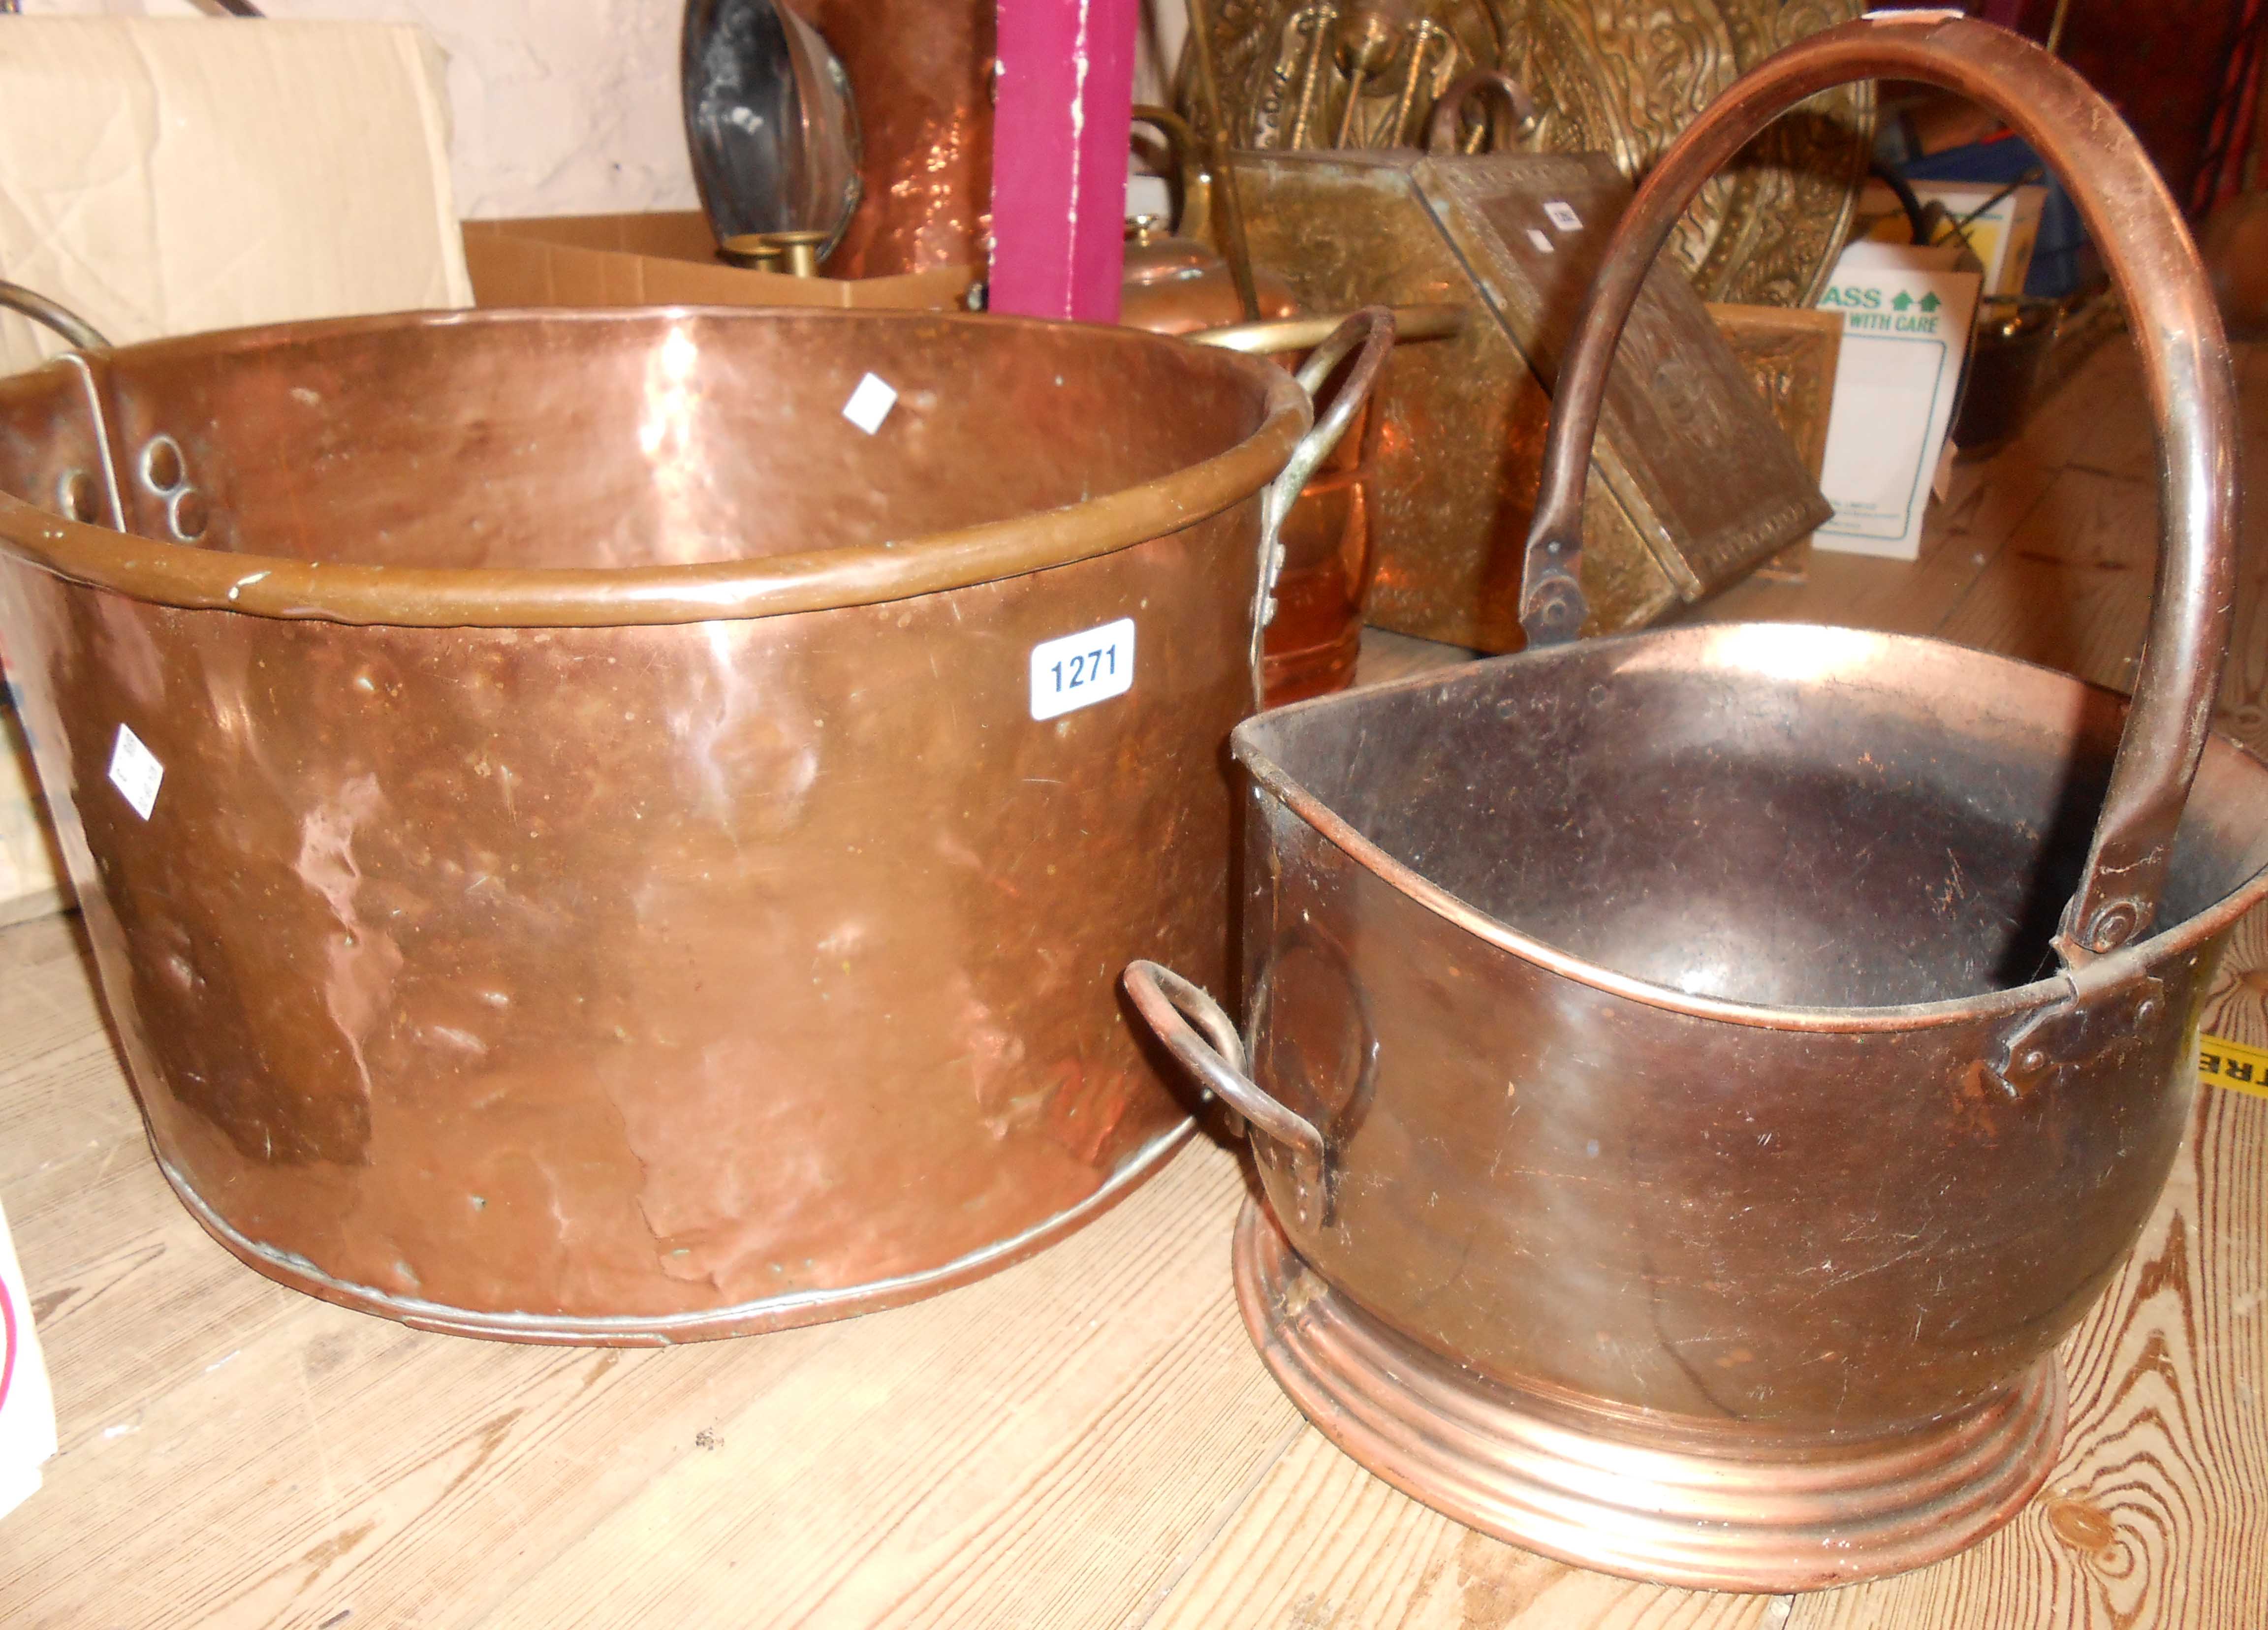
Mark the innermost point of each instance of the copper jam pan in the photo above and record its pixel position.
(1697, 1077)
(567, 821)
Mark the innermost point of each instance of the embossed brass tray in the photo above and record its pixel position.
(1617, 76)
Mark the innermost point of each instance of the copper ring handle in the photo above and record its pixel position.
(2185, 359)
(1442, 127)
(1179, 1011)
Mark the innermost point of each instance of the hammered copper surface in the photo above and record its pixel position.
(920, 74)
(1731, 1057)
(1607, 75)
(1465, 419)
(741, 957)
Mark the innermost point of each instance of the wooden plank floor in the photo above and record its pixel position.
(1087, 1439)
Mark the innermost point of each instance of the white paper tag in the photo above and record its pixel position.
(27, 1406)
(1542, 240)
(1079, 670)
(870, 403)
(135, 771)
(1563, 215)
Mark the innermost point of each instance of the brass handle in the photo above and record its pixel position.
(1441, 128)
(2185, 359)
(1297, 334)
(1216, 1057)
(1372, 329)
(1190, 185)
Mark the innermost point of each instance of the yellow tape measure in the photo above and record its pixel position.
(2232, 1064)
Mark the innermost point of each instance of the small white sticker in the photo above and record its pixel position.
(1563, 215)
(870, 404)
(1542, 240)
(1079, 670)
(135, 771)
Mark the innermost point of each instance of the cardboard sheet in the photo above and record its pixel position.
(666, 258)
(169, 175)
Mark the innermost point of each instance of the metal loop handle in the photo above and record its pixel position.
(74, 328)
(1274, 335)
(2185, 359)
(1170, 1003)
(1372, 328)
(1441, 129)
(1191, 184)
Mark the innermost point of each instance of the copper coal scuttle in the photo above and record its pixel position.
(1697, 1076)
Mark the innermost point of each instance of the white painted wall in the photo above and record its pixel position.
(570, 106)
(560, 106)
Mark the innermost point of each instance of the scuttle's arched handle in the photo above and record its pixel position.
(2192, 391)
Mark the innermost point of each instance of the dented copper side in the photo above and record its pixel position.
(605, 881)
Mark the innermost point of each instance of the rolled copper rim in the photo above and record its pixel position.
(186, 576)
(2130, 960)
(1640, 1498)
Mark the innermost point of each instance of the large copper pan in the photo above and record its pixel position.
(1689, 1111)
(565, 818)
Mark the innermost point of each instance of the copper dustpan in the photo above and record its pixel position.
(1697, 1077)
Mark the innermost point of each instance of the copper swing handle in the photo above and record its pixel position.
(1204, 1039)
(2192, 393)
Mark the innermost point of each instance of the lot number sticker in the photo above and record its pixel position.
(135, 771)
(1079, 670)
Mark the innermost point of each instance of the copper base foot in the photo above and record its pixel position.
(1580, 1485)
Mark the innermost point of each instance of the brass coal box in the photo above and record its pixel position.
(1696, 483)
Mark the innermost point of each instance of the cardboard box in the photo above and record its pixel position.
(165, 176)
(1906, 317)
(664, 259)
(2004, 230)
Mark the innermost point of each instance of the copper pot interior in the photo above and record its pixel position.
(646, 438)
(1776, 815)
